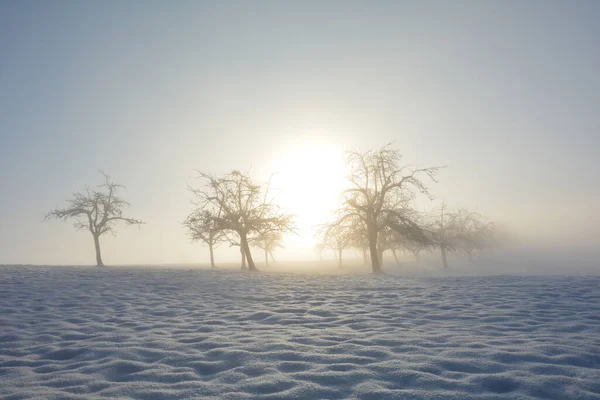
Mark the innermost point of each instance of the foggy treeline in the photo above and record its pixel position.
(378, 215)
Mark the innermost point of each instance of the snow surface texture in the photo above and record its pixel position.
(86, 333)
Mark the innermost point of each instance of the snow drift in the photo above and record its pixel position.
(87, 333)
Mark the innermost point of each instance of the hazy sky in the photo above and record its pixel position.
(506, 94)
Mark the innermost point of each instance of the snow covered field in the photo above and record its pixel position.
(86, 333)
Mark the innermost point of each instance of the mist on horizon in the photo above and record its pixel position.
(498, 94)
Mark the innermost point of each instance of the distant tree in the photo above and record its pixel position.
(444, 231)
(359, 240)
(96, 211)
(380, 196)
(415, 248)
(337, 237)
(475, 233)
(392, 240)
(405, 239)
(319, 248)
(237, 204)
(459, 230)
(202, 227)
(268, 242)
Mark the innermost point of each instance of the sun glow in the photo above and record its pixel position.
(308, 181)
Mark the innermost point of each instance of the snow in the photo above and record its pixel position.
(87, 333)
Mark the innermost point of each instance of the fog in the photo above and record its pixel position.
(499, 96)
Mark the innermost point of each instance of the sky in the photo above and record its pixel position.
(505, 94)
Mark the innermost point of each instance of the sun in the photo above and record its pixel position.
(308, 181)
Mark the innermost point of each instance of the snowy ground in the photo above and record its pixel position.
(86, 333)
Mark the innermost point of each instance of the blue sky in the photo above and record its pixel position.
(505, 94)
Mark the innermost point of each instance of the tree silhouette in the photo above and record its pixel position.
(268, 242)
(380, 196)
(237, 204)
(337, 237)
(475, 233)
(202, 227)
(392, 240)
(459, 230)
(96, 211)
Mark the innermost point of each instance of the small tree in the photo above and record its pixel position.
(415, 249)
(408, 237)
(237, 204)
(319, 247)
(380, 195)
(444, 231)
(475, 233)
(96, 211)
(337, 237)
(360, 242)
(392, 240)
(268, 242)
(202, 227)
(459, 230)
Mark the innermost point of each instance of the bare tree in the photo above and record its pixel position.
(202, 227)
(444, 232)
(359, 240)
(337, 237)
(406, 238)
(96, 211)
(392, 240)
(459, 230)
(415, 249)
(319, 247)
(475, 233)
(268, 242)
(380, 196)
(237, 204)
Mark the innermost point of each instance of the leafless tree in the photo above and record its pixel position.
(444, 229)
(337, 237)
(202, 227)
(415, 248)
(96, 211)
(459, 230)
(380, 196)
(268, 242)
(392, 240)
(319, 248)
(237, 204)
(475, 233)
(407, 238)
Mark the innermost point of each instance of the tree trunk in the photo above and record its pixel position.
(375, 263)
(417, 258)
(266, 258)
(246, 248)
(340, 257)
(212, 256)
(364, 252)
(272, 258)
(99, 262)
(444, 259)
(243, 257)
(396, 257)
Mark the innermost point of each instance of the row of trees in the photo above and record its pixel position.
(232, 209)
(448, 231)
(377, 214)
